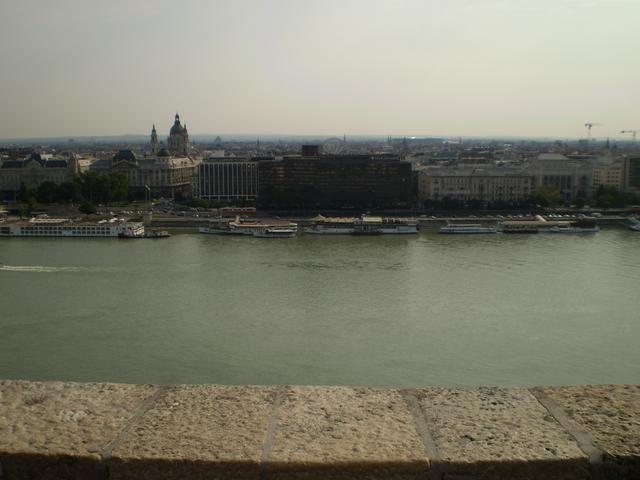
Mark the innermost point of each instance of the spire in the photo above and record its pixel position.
(154, 140)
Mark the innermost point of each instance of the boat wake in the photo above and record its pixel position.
(38, 268)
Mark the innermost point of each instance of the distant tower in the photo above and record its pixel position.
(74, 165)
(178, 141)
(154, 140)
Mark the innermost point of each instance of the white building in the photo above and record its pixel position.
(486, 184)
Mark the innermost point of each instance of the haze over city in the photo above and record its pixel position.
(464, 67)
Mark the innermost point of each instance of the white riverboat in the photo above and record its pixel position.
(579, 226)
(256, 228)
(462, 228)
(633, 223)
(363, 225)
(275, 232)
(64, 227)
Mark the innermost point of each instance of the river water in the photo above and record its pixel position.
(389, 311)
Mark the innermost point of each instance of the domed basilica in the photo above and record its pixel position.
(177, 142)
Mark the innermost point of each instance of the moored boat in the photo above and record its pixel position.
(67, 228)
(156, 234)
(522, 226)
(363, 225)
(579, 226)
(241, 226)
(275, 232)
(632, 223)
(462, 228)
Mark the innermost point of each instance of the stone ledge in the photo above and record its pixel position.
(55, 430)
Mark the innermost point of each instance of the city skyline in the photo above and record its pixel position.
(479, 69)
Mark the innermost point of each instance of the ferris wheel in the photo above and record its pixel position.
(333, 146)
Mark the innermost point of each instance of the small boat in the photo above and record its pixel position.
(633, 223)
(131, 231)
(275, 232)
(579, 226)
(468, 228)
(156, 234)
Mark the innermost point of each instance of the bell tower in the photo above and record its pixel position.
(154, 141)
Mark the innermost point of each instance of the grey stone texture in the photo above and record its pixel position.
(339, 432)
(610, 414)
(197, 431)
(499, 433)
(55, 430)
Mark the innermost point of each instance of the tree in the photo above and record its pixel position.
(547, 196)
(70, 191)
(580, 202)
(87, 208)
(32, 204)
(47, 192)
(25, 193)
(104, 187)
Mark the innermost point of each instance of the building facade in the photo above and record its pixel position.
(164, 174)
(36, 169)
(484, 184)
(226, 179)
(334, 181)
(632, 174)
(572, 176)
(608, 175)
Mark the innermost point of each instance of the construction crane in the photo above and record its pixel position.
(632, 132)
(589, 125)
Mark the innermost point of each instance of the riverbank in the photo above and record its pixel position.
(119, 431)
(425, 221)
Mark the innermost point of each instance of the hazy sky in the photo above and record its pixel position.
(392, 67)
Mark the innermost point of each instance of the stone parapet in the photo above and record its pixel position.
(55, 430)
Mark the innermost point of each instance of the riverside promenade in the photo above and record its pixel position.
(56, 430)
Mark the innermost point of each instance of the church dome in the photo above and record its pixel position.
(176, 129)
(164, 153)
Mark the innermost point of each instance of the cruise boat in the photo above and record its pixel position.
(241, 226)
(579, 226)
(64, 227)
(521, 226)
(363, 225)
(275, 232)
(462, 228)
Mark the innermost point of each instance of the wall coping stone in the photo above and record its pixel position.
(103, 431)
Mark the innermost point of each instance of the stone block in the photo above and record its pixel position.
(610, 414)
(345, 433)
(57, 430)
(197, 432)
(494, 433)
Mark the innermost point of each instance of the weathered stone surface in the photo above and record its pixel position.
(611, 415)
(497, 433)
(336, 432)
(56, 429)
(197, 432)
